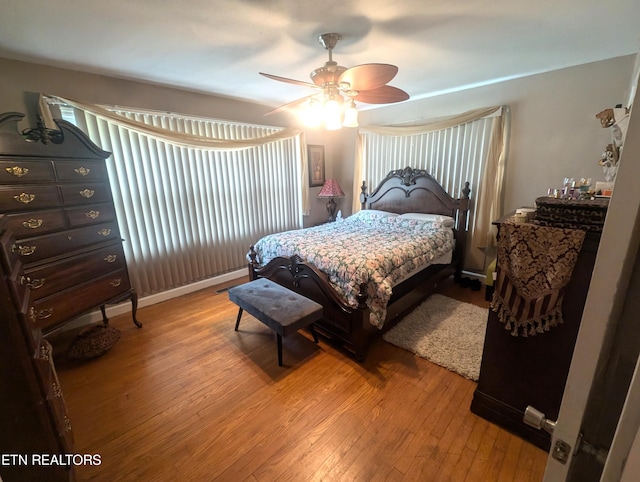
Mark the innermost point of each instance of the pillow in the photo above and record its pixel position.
(377, 212)
(446, 221)
(372, 214)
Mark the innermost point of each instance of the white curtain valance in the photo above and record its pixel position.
(456, 120)
(165, 135)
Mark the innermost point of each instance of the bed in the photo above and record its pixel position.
(364, 291)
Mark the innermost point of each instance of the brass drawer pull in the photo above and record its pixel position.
(87, 193)
(17, 171)
(23, 250)
(110, 258)
(83, 171)
(33, 284)
(67, 424)
(32, 223)
(92, 214)
(44, 314)
(104, 232)
(57, 393)
(24, 198)
(116, 282)
(44, 351)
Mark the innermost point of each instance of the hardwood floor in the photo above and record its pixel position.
(188, 398)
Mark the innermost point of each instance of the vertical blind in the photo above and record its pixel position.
(452, 155)
(188, 214)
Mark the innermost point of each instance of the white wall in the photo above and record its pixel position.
(21, 82)
(609, 317)
(554, 132)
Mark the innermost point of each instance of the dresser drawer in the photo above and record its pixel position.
(47, 279)
(28, 197)
(62, 422)
(27, 225)
(32, 250)
(48, 312)
(98, 213)
(85, 193)
(19, 171)
(53, 392)
(77, 170)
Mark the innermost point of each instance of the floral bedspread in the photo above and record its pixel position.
(378, 250)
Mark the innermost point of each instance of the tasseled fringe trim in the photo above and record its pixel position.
(530, 327)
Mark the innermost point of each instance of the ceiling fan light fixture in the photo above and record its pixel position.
(312, 113)
(332, 114)
(366, 83)
(351, 115)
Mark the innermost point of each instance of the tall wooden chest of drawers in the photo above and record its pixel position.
(55, 192)
(33, 418)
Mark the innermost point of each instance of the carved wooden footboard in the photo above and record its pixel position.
(341, 322)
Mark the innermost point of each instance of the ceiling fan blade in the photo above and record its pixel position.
(289, 81)
(382, 95)
(290, 105)
(368, 76)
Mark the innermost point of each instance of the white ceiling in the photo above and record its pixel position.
(219, 46)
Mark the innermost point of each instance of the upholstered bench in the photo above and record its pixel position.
(282, 310)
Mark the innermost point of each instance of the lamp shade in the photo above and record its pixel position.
(331, 188)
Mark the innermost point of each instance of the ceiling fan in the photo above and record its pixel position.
(339, 87)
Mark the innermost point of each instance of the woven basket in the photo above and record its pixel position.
(93, 342)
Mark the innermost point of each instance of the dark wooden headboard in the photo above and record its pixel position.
(411, 190)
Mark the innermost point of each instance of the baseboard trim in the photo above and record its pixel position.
(125, 307)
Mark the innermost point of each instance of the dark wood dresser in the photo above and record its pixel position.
(60, 256)
(33, 418)
(520, 371)
(55, 192)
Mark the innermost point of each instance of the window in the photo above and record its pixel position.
(468, 147)
(187, 213)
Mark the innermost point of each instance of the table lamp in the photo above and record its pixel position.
(331, 189)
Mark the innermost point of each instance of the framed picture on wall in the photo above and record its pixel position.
(315, 155)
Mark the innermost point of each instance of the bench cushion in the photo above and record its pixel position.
(282, 310)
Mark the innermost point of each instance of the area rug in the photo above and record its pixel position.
(444, 331)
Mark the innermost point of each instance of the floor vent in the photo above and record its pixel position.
(223, 290)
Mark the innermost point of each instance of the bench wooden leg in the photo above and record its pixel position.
(238, 320)
(313, 332)
(279, 336)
